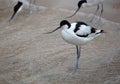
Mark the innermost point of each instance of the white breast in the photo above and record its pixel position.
(72, 38)
(83, 30)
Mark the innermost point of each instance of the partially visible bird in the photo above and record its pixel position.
(80, 3)
(90, 3)
(78, 34)
(17, 8)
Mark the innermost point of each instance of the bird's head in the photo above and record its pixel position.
(81, 2)
(62, 23)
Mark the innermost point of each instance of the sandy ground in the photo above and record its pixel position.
(27, 56)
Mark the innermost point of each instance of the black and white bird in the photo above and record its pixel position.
(17, 8)
(90, 3)
(21, 4)
(78, 34)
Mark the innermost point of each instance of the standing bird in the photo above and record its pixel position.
(78, 34)
(90, 3)
(17, 8)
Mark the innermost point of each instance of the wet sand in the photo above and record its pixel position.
(27, 56)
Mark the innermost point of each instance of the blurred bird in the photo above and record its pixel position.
(90, 3)
(17, 8)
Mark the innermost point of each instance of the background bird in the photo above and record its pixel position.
(80, 3)
(17, 8)
(90, 3)
(78, 34)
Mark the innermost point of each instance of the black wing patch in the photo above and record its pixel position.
(78, 25)
(82, 35)
(93, 30)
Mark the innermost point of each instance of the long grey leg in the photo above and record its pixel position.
(78, 57)
(101, 12)
(31, 6)
(98, 7)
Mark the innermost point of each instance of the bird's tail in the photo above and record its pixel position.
(100, 31)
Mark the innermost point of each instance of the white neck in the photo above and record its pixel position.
(65, 27)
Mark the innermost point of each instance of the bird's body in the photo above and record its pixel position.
(77, 33)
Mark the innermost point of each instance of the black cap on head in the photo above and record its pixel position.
(65, 22)
(79, 6)
(81, 2)
(62, 23)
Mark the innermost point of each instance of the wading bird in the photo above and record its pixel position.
(90, 3)
(78, 34)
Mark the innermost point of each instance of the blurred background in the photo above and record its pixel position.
(27, 56)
